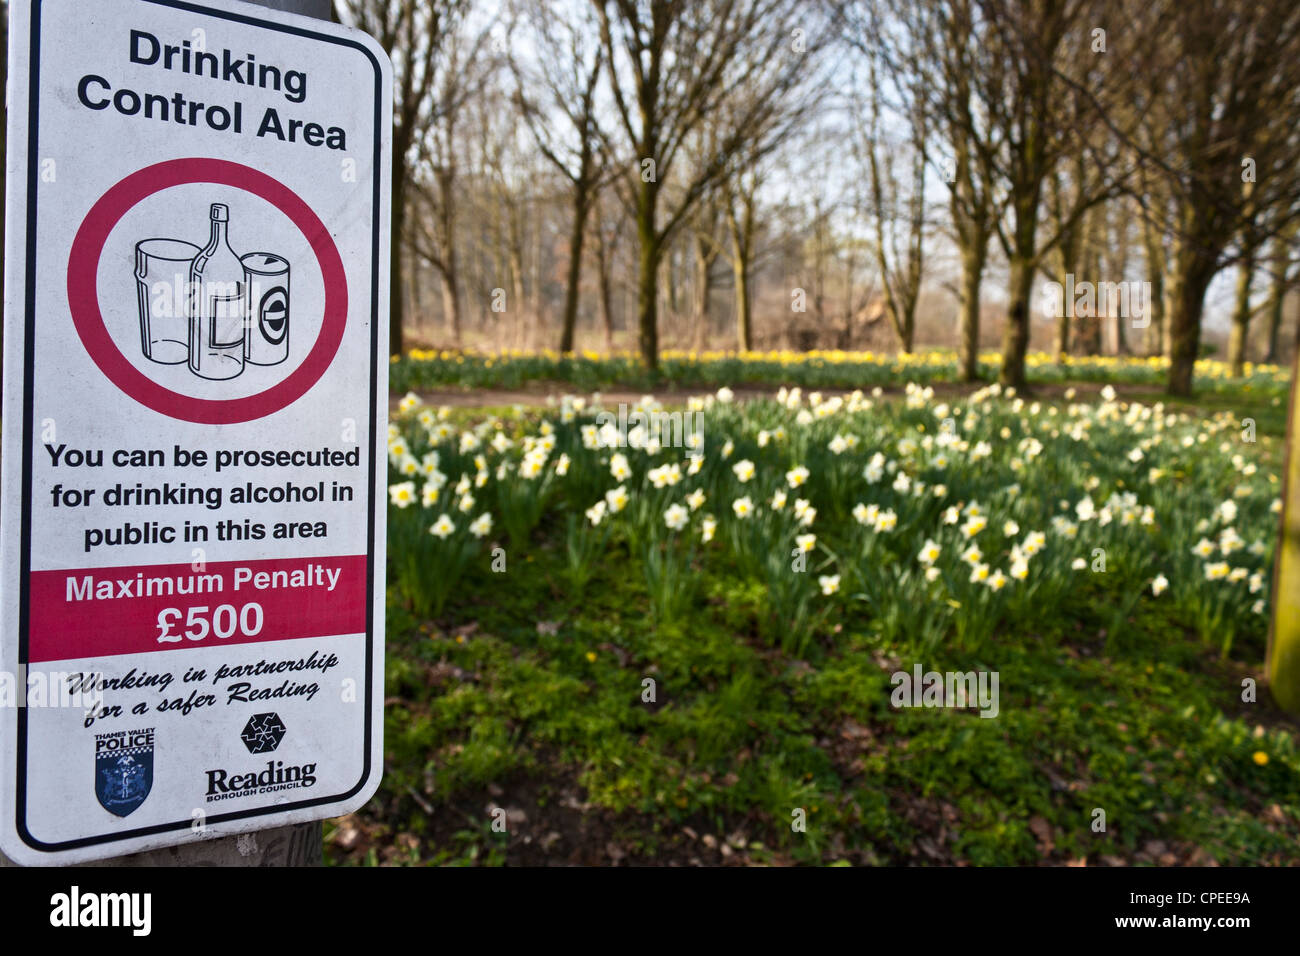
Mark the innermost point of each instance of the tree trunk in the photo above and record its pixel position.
(744, 322)
(451, 305)
(446, 224)
(515, 257)
(1156, 277)
(647, 286)
(1241, 318)
(1118, 243)
(1171, 294)
(417, 298)
(1061, 341)
(1187, 284)
(1275, 303)
(670, 283)
(972, 272)
(1280, 270)
(703, 291)
(665, 278)
(603, 280)
(907, 333)
(1088, 332)
(575, 273)
(1015, 338)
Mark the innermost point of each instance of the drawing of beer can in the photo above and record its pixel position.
(162, 271)
(267, 280)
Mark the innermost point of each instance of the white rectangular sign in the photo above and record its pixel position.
(195, 404)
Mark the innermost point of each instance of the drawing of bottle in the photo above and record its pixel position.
(218, 306)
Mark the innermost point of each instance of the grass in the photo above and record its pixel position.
(618, 694)
(589, 371)
(542, 686)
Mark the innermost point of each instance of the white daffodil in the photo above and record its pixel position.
(429, 494)
(616, 499)
(1216, 570)
(676, 517)
(402, 494)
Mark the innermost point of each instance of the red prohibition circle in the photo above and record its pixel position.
(83, 291)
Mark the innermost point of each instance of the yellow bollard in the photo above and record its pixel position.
(1283, 661)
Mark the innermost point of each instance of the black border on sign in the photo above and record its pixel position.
(20, 803)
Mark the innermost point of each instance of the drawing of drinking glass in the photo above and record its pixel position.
(162, 269)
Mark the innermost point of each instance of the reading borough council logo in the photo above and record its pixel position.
(123, 769)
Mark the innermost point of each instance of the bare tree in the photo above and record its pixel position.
(706, 245)
(608, 231)
(507, 180)
(673, 64)
(897, 215)
(413, 34)
(932, 51)
(1153, 197)
(565, 69)
(1282, 279)
(742, 226)
(1224, 89)
(1063, 194)
(1241, 312)
(435, 195)
(1056, 90)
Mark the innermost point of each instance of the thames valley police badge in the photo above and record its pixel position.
(123, 769)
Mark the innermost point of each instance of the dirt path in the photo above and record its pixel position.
(536, 394)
